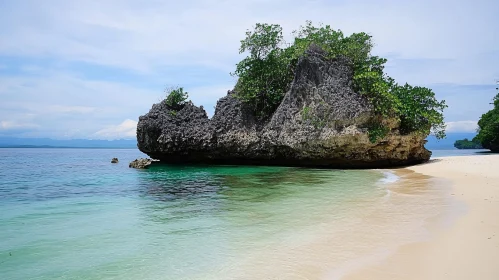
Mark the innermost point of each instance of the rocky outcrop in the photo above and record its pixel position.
(321, 122)
(141, 163)
(114, 160)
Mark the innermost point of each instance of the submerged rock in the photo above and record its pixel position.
(141, 163)
(321, 122)
(114, 160)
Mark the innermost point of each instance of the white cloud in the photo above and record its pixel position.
(89, 105)
(174, 33)
(126, 129)
(208, 96)
(71, 109)
(16, 128)
(462, 126)
(10, 125)
(195, 44)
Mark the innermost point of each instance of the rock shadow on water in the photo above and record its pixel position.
(189, 182)
(172, 192)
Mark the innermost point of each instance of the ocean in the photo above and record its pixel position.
(71, 214)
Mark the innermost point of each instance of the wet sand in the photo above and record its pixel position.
(465, 248)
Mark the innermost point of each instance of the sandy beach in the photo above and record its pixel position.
(468, 248)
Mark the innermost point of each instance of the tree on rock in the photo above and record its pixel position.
(488, 126)
(266, 74)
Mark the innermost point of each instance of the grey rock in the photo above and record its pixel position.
(320, 122)
(114, 160)
(141, 163)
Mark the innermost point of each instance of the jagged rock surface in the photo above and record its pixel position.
(141, 163)
(320, 122)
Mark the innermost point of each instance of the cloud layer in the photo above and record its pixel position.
(124, 130)
(73, 69)
(462, 126)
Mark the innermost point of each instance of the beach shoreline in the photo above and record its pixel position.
(467, 247)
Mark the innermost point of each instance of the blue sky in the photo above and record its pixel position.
(89, 69)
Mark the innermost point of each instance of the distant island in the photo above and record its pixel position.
(467, 144)
(14, 142)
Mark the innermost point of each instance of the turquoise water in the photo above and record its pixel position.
(71, 214)
(457, 152)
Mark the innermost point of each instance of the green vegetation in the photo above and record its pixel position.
(467, 144)
(265, 75)
(488, 127)
(175, 98)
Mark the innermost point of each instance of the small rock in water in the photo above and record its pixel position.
(114, 160)
(141, 163)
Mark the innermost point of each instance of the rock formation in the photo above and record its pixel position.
(114, 160)
(321, 122)
(141, 163)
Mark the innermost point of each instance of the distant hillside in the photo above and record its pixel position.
(447, 143)
(11, 142)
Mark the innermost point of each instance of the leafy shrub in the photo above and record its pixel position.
(266, 75)
(176, 97)
(488, 127)
(418, 110)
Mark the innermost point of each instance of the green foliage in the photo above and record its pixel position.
(377, 131)
(419, 110)
(305, 113)
(266, 74)
(488, 127)
(176, 98)
(467, 144)
(357, 46)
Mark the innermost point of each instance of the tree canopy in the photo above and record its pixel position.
(265, 75)
(488, 127)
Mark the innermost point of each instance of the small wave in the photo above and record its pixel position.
(389, 177)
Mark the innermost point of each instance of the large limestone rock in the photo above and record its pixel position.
(320, 122)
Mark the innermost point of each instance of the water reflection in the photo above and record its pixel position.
(167, 183)
(238, 197)
(223, 218)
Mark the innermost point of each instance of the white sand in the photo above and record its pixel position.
(469, 248)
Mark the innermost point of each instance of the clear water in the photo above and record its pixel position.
(71, 214)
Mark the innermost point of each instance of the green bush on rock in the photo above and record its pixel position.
(176, 97)
(265, 75)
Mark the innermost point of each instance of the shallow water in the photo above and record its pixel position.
(71, 214)
(457, 152)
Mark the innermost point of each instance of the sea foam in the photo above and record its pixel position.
(389, 177)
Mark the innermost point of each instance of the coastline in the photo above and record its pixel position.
(465, 247)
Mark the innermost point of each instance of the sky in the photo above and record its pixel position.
(88, 69)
